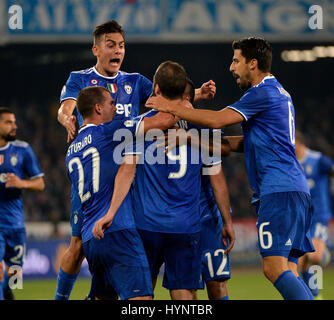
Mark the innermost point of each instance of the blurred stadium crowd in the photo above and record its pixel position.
(34, 99)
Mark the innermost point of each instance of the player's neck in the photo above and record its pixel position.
(103, 72)
(3, 143)
(258, 78)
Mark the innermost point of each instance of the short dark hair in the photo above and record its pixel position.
(171, 78)
(5, 110)
(88, 97)
(255, 48)
(111, 26)
(190, 90)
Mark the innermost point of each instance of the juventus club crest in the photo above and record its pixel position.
(13, 160)
(127, 88)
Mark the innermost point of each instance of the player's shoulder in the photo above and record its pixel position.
(130, 75)
(20, 144)
(83, 71)
(77, 74)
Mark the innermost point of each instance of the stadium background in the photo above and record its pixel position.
(56, 39)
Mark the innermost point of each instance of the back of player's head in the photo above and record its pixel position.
(299, 137)
(171, 78)
(255, 48)
(189, 91)
(111, 26)
(4, 110)
(88, 98)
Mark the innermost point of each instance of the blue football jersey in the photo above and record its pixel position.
(317, 168)
(128, 90)
(16, 157)
(208, 205)
(167, 191)
(92, 164)
(269, 139)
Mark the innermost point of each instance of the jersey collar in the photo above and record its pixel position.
(86, 126)
(5, 146)
(100, 75)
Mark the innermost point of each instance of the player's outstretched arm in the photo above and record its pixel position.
(204, 118)
(205, 92)
(67, 119)
(221, 194)
(123, 181)
(13, 181)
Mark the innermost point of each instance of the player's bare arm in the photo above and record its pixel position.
(205, 92)
(221, 194)
(123, 181)
(161, 120)
(67, 119)
(13, 181)
(206, 118)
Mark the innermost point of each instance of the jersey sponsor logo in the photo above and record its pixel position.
(112, 87)
(94, 82)
(127, 88)
(13, 160)
(2, 159)
(288, 243)
(124, 109)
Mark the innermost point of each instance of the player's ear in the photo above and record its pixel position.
(98, 108)
(95, 50)
(157, 90)
(253, 64)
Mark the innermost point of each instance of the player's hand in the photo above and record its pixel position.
(13, 181)
(101, 225)
(228, 236)
(207, 91)
(173, 138)
(70, 127)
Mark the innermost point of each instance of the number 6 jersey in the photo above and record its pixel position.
(269, 139)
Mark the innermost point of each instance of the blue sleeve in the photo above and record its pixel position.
(128, 128)
(325, 165)
(30, 165)
(145, 89)
(72, 87)
(251, 103)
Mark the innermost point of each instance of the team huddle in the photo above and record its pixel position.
(139, 202)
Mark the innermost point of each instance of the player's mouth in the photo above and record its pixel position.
(115, 62)
(237, 78)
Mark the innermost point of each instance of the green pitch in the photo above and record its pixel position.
(244, 285)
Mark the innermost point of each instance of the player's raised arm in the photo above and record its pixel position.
(206, 91)
(221, 194)
(67, 119)
(123, 181)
